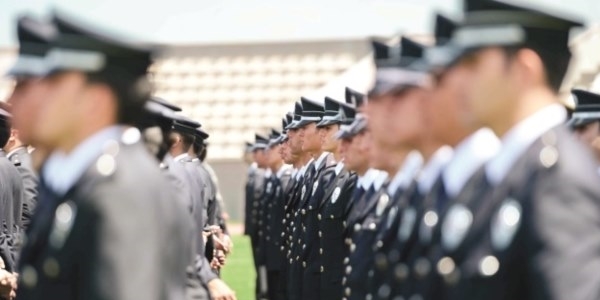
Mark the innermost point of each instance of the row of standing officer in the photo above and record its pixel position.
(458, 179)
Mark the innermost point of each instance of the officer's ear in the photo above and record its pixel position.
(14, 135)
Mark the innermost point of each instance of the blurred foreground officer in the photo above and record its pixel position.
(100, 230)
(525, 239)
(472, 148)
(586, 119)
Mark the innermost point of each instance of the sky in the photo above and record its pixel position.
(235, 21)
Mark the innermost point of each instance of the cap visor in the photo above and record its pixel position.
(303, 123)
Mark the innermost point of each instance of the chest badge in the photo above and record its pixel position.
(64, 217)
(505, 224)
(456, 226)
(336, 194)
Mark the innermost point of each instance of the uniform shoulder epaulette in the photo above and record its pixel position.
(16, 161)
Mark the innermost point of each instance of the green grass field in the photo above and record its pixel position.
(239, 272)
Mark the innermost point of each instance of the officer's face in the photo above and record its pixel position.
(27, 99)
(310, 138)
(447, 105)
(396, 120)
(295, 141)
(273, 156)
(365, 147)
(328, 142)
(589, 134)
(492, 86)
(261, 158)
(356, 153)
(67, 102)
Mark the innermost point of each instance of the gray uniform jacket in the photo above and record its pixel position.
(22, 161)
(105, 238)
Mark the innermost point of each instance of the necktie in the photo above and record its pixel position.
(441, 196)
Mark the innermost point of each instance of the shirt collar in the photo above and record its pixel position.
(61, 171)
(268, 173)
(469, 155)
(282, 170)
(13, 151)
(516, 141)
(338, 168)
(411, 166)
(181, 157)
(320, 160)
(432, 169)
(379, 180)
(368, 178)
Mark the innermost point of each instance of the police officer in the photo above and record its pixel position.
(11, 200)
(274, 213)
(585, 121)
(18, 154)
(333, 209)
(101, 192)
(542, 195)
(311, 196)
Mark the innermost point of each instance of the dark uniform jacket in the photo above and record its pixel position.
(309, 252)
(105, 237)
(11, 201)
(534, 236)
(22, 160)
(333, 212)
(360, 258)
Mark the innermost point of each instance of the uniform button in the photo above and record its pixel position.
(321, 251)
(51, 267)
(381, 261)
(29, 276)
(303, 211)
(322, 269)
(446, 266)
(384, 291)
(346, 260)
(344, 223)
(369, 297)
(422, 267)
(291, 261)
(348, 270)
(344, 280)
(304, 246)
(282, 248)
(372, 226)
(298, 258)
(319, 217)
(489, 266)
(331, 217)
(416, 297)
(379, 244)
(347, 292)
(282, 234)
(357, 227)
(371, 274)
(304, 264)
(310, 207)
(401, 272)
(352, 248)
(320, 233)
(268, 238)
